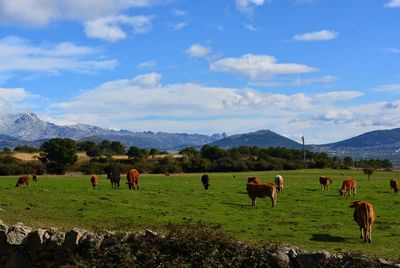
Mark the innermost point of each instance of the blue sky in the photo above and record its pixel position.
(325, 69)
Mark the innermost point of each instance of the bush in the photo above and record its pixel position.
(198, 245)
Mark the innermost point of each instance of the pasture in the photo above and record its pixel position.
(304, 216)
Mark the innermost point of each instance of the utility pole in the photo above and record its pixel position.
(304, 152)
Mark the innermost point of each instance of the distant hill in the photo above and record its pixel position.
(374, 138)
(379, 144)
(261, 138)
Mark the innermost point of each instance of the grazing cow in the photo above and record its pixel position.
(261, 191)
(364, 215)
(254, 180)
(114, 178)
(348, 186)
(279, 183)
(34, 177)
(325, 181)
(394, 185)
(133, 179)
(204, 180)
(94, 180)
(23, 180)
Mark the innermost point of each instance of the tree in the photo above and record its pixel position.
(212, 152)
(117, 147)
(348, 162)
(61, 152)
(90, 147)
(137, 153)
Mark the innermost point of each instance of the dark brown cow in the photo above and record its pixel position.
(205, 181)
(325, 181)
(279, 183)
(394, 185)
(348, 186)
(254, 180)
(133, 179)
(364, 215)
(261, 191)
(23, 180)
(94, 180)
(34, 177)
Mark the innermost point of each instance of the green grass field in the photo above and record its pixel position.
(304, 216)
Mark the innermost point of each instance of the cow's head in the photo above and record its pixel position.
(19, 182)
(251, 179)
(342, 192)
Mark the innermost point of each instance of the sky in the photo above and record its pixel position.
(323, 69)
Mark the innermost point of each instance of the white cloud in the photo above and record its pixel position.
(198, 51)
(147, 80)
(143, 103)
(179, 26)
(258, 67)
(178, 12)
(392, 88)
(251, 27)
(247, 6)
(14, 98)
(393, 3)
(323, 35)
(101, 18)
(109, 28)
(18, 54)
(147, 64)
(338, 96)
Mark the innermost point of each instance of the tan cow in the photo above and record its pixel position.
(364, 215)
(394, 185)
(94, 180)
(279, 183)
(133, 179)
(261, 191)
(325, 181)
(348, 186)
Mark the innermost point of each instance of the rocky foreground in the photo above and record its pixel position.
(182, 246)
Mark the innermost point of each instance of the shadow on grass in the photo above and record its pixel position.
(311, 190)
(328, 238)
(235, 204)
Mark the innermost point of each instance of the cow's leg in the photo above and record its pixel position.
(253, 201)
(361, 233)
(370, 233)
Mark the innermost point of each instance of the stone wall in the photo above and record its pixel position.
(21, 246)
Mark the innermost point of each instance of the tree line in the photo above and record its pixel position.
(59, 155)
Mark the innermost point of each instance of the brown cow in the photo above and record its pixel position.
(325, 181)
(254, 180)
(94, 180)
(133, 179)
(23, 180)
(279, 183)
(261, 191)
(364, 215)
(394, 185)
(348, 186)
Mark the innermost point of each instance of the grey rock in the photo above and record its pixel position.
(312, 260)
(56, 241)
(18, 233)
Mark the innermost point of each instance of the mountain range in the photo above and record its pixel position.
(27, 129)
